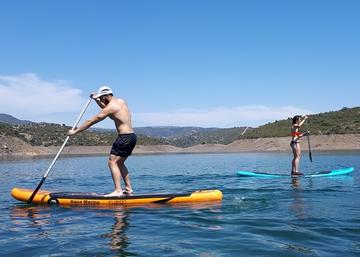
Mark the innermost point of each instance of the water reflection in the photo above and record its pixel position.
(59, 224)
(119, 239)
(118, 234)
(33, 215)
(39, 219)
(297, 206)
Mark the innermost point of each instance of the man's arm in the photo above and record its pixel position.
(101, 104)
(88, 123)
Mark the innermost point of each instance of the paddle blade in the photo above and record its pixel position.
(36, 190)
(310, 156)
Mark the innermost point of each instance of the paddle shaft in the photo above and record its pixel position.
(308, 136)
(57, 155)
(310, 156)
(244, 131)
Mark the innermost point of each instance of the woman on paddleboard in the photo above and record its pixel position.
(297, 122)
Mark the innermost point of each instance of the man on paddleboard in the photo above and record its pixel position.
(297, 122)
(117, 110)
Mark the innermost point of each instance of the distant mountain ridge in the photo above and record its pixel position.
(162, 131)
(156, 131)
(344, 121)
(47, 134)
(9, 119)
(171, 131)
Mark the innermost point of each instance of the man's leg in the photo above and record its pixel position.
(115, 172)
(125, 174)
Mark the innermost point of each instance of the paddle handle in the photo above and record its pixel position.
(58, 154)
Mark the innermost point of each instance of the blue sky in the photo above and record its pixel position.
(180, 62)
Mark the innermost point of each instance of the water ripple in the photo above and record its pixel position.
(305, 217)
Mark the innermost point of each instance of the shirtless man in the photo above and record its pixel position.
(118, 111)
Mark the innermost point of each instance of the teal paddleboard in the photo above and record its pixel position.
(330, 173)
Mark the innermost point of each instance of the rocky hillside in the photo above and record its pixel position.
(344, 121)
(47, 134)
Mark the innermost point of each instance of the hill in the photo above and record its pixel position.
(344, 121)
(9, 119)
(48, 134)
(213, 136)
(171, 131)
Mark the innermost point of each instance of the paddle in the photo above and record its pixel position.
(308, 137)
(57, 155)
(244, 131)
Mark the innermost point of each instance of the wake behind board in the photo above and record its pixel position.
(319, 174)
(94, 199)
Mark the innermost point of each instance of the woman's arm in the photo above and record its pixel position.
(302, 122)
(304, 134)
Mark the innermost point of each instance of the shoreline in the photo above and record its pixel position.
(340, 142)
(62, 155)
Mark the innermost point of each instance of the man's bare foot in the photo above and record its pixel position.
(115, 194)
(126, 192)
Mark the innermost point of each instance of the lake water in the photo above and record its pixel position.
(258, 217)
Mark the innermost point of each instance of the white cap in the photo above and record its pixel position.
(104, 90)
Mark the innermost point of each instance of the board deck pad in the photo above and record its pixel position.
(82, 195)
(330, 173)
